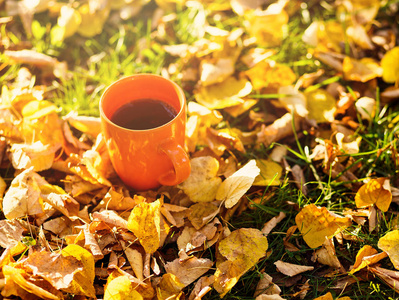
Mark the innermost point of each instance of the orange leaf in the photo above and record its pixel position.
(375, 192)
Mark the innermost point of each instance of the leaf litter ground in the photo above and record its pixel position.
(292, 133)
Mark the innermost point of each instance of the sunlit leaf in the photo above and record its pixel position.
(203, 182)
(291, 269)
(92, 22)
(83, 280)
(270, 173)
(121, 288)
(375, 192)
(69, 19)
(317, 223)
(321, 105)
(38, 156)
(145, 222)
(242, 248)
(225, 94)
(361, 70)
(390, 244)
(366, 256)
(389, 64)
(237, 184)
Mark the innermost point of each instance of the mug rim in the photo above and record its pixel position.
(179, 91)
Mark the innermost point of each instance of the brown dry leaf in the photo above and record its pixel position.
(361, 70)
(236, 185)
(10, 233)
(375, 192)
(390, 67)
(115, 199)
(96, 166)
(366, 256)
(30, 57)
(145, 222)
(242, 249)
(291, 269)
(389, 243)
(110, 217)
(266, 286)
(55, 268)
(317, 223)
(327, 255)
(278, 130)
(202, 287)
(175, 214)
(390, 277)
(136, 261)
(366, 107)
(270, 173)
(23, 197)
(203, 182)
(38, 156)
(268, 226)
(189, 270)
(227, 93)
(216, 70)
(63, 203)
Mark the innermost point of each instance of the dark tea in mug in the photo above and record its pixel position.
(143, 114)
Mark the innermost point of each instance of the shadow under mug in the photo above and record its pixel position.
(146, 159)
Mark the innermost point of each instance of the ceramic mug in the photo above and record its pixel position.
(145, 158)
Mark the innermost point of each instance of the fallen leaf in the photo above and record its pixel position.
(242, 248)
(38, 156)
(293, 100)
(279, 129)
(202, 213)
(92, 20)
(169, 287)
(270, 173)
(375, 192)
(366, 107)
(145, 222)
(23, 197)
(266, 286)
(83, 280)
(321, 105)
(389, 66)
(224, 94)
(317, 223)
(361, 70)
(121, 288)
(268, 226)
(365, 256)
(236, 185)
(189, 270)
(203, 182)
(291, 269)
(10, 233)
(389, 243)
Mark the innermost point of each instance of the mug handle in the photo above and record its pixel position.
(180, 161)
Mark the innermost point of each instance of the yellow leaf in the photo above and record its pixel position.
(69, 19)
(321, 105)
(269, 73)
(145, 222)
(361, 70)
(82, 283)
(327, 296)
(268, 27)
(390, 244)
(37, 109)
(366, 256)
(85, 124)
(270, 173)
(237, 184)
(121, 288)
(92, 21)
(203, 182)
(169, 287)
(375, 192)
(216, 71)
(317, 223)
(201, 213)
(390, 66)
(242, 248)
(225, 94)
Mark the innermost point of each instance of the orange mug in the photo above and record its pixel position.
(143, 119)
